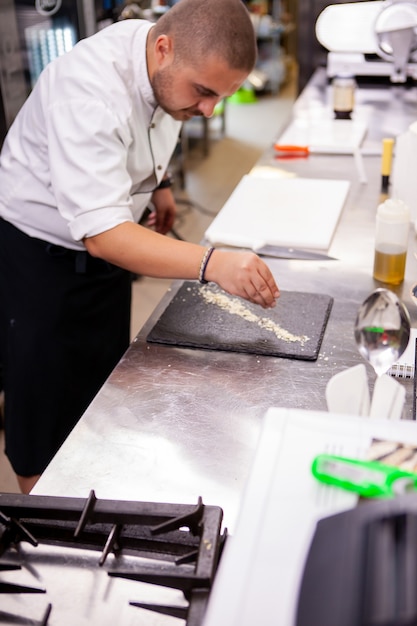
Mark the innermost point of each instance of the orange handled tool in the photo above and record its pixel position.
(301, 151)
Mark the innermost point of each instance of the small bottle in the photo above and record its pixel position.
(343, 97)
(391, 241)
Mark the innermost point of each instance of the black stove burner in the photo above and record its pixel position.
(184, 542)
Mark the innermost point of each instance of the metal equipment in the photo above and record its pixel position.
(370, 39)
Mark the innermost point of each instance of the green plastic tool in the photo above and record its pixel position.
(369, 479)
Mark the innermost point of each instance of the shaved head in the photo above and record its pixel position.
(203, 28)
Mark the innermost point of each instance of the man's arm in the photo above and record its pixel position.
(147, 253)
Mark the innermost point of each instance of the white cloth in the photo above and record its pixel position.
(88, 142)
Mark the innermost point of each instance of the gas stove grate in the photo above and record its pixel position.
(183, 543)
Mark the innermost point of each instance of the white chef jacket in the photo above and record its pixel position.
(90, 143)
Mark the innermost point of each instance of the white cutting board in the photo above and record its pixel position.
(298, 212)
(260, 571)
(325, 136)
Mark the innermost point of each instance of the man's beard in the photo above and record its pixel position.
(163, 85)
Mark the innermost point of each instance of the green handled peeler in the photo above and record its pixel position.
(369, 479)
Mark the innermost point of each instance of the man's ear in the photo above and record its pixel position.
(164, 51)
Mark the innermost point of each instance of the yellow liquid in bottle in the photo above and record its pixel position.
(389, 265)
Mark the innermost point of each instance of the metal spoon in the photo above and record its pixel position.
(382, 329)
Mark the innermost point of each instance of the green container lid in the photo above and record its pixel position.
(243, 96)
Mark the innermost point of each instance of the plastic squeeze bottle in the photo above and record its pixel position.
(391, 241)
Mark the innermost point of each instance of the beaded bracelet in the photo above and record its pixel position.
(203, 265)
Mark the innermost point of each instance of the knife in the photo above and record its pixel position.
(284, 252)
(260, 247)
(304, 151)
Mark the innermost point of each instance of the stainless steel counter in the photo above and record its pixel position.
(173, 424)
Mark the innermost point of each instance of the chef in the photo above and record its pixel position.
(86, 154)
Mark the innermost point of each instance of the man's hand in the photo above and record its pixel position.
(243, 274)
(165, 211)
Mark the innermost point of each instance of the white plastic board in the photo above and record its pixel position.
(325, 136)
(291, 212)
(261, 568)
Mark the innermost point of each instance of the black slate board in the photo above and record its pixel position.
(189, 321)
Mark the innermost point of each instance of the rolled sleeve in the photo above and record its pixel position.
(88, 145)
